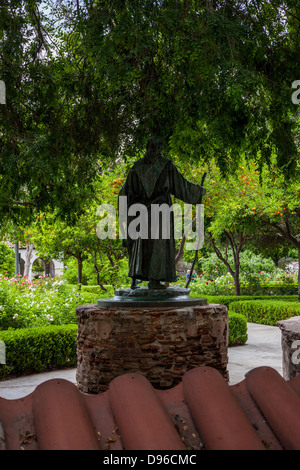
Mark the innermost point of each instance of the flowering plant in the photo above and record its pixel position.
(40, 302)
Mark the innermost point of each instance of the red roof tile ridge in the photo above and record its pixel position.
(203, 411)
(220, 421)
(61, 419)
(255, 416)
(278, 402)
(142, 420)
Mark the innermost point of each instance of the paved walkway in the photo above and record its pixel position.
(263, 348)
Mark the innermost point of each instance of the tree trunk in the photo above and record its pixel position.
(236, 249)
(98, 275)
(287, 235)
(299, 273)
(275, 261)
(17, 261)
(237, 285)
(47, 267)
(79, 278)
(28, 256)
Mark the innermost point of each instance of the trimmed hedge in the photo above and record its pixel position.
(91, 289)
(229, 299)
(38, 349)
(271, 289)
(267, 312)
(237, 326)
(98, 290)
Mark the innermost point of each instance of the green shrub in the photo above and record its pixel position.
(237, 326)
(250, 263)
(92, 289)
(259, 284)
(97, 290)
(270, 289)
(267, 312)
(71, 272)
(116, 275)
(38, 349)
(42, 302)
(7, 260)
(258, 276)
(228, 299)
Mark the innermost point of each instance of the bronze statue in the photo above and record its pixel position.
(152, 180)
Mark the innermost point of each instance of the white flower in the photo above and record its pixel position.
(1, 308)
(15, 315)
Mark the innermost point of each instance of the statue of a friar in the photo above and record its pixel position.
(152, 180)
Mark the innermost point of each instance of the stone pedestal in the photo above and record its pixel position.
(290, 342)
(159, 342)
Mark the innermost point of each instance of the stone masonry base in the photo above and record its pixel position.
(159, 343)
(290, 343)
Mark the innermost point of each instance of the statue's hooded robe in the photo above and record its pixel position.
(153, 183)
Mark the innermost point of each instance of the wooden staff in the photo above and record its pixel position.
(196, 253)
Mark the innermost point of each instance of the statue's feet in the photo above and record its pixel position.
(133, 284)
(155, 285)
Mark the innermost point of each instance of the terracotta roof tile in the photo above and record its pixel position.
(279, 403)
(149, 426)
(202, 412)
(219, 419)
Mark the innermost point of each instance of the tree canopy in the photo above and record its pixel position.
(89, 81)
(213, 78)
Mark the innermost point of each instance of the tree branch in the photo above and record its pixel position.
(25, 204)
(285, 10)
(286, 235)
(219, 254)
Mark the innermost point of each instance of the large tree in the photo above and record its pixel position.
(249, 206)
(50, 133)
(87, 81)
(56, 238)
(211, 77)
(278, 210)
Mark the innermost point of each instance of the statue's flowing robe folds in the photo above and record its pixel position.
(154, 183)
